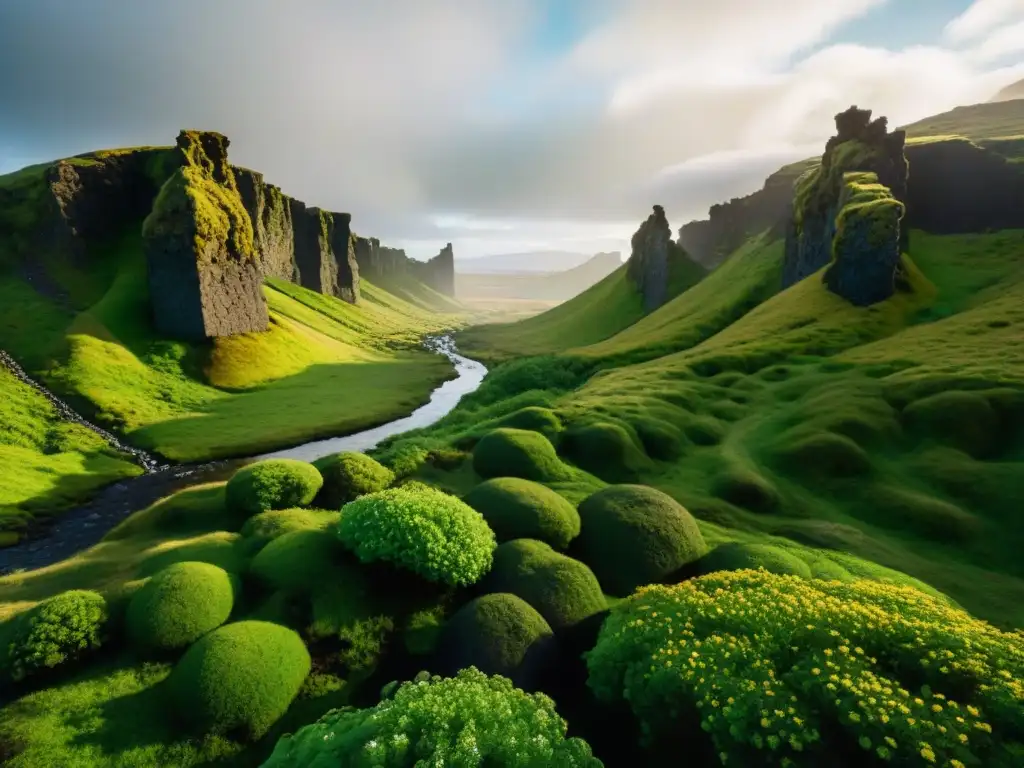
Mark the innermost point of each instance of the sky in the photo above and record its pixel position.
(501, 126)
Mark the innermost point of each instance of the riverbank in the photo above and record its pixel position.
(87, 524)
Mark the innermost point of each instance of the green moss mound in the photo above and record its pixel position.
(705, 431)
(421, 529)
(259, 530)
(606, 450)
(737, 556)
(300, 562)
(892, 674)
(908, 509)
(238, 679)
(521, 509)
(179, 605)
(748, 489)
(55, 633)
(823, 454)
(564, 591)
(535, 419)
(660, 440)
(272, 484)
(467, 720)
(347, 476)
(965, 420)
(517, 453)
(632, 535)
(495, 633)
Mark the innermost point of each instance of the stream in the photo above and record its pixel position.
(83, 526)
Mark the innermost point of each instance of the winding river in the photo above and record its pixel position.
(84, 526)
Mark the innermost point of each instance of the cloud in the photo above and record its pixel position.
(438, 120)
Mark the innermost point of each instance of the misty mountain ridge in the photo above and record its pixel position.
(529, 261)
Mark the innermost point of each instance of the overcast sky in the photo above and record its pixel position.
(499, 125)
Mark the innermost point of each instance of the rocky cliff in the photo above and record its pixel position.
(204, 275)
(273, 234)
(382, 266)
(653, 258)
(438, 272)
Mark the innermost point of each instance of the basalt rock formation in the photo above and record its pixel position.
(826, 203)
(438, 272)
(204, 277)
(386, 266)
(271, 214)
(652, 250)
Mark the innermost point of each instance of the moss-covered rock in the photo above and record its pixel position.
(736, 556)
(272, 484)
(535, 419)
(563, 590)
(607, 450)
(746, 488)
(822, 453)
(301, 561)
(259, 530)
(347, 476)
(238, 679)
(965, 420)
(522, 509)
(517, 453)
(633, 535)
(499, 634)
(179, 605)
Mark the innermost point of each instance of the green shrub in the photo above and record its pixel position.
(632, 535)
(517, 453)
(564, 591)
(466, 720)
(965, 420)
(535, 419)
(783, 671)
(179, 605)
(272, 484)
(823, 453)
(347, 476)
(261, 529)
(607, 450)
(746, 488)
(737, 556)
(424, 530)
(521, 509)
(301, 562)
(56, 632)
(239, 678)
(494, 633)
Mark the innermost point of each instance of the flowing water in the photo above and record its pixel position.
(84, 526)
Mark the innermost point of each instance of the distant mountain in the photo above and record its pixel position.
(513, 263)
(1010, 92)
(550, 286)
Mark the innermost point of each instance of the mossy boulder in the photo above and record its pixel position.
(746, 488)
(508, 452)
(607, 450)
(238, 679)
(563, 590)
(737, 556)
(822, 454)
(964, 420)
(301, 562)
(272, 484)
(259, 530)
(522, 509)
(499, 634)
(179, 605)
(347, 476)
(633, 535)
(535, 419)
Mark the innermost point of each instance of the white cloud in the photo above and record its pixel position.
(982, 16)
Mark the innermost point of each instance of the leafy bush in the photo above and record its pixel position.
(517, 453)
(632, 535)
(426, 531)
(272, 484)
(495, 633)
(608, 450)
(55, 632)
(239, 678)
(564, 591)
(347, 476)
(261, 529)
(521, 509)
(179, 605)
(467, 720)
(783, 671)
(737, 556)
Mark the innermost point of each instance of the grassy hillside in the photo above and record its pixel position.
(598, 313)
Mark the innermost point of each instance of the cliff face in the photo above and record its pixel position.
(204, 277)
(342, 245)
(847, 211)
(438, 272)
(381, 265)
(271, 215)
(648, 265)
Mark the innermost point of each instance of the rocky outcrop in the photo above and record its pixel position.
(847, 208)
(438, 272)
(342, 243)
(648, 263)
(271, 214)
(385, 266)
(204, 276)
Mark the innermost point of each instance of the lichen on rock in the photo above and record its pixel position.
(204, 275)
